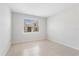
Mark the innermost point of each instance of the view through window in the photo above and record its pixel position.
(31, 25)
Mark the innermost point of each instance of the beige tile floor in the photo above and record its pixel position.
(41, 48)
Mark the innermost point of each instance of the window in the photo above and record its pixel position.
(31, 25)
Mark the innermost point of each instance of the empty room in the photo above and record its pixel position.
(39, 29)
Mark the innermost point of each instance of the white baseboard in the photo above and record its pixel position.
(24, 41)
(8, 45)
(64, 44)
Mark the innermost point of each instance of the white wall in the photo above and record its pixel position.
(5, 29)
(64, 27)
(18, 34)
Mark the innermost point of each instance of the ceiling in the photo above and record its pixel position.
(40, 9)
